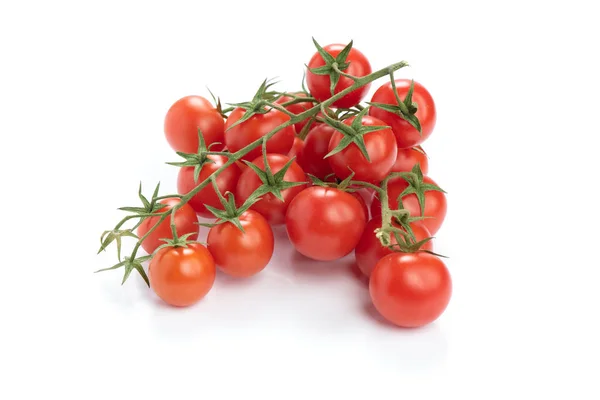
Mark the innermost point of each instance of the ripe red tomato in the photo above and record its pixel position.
(316, 146)
(185, 117)
(363, 204)
(242, 254)
(408, 158)
(325, 223)
(226, 182)
(256, 127)
(296, 149)
(270, 206)
(406, 135)
(381, 147)
(319, 85)
(369, 249)
(296, 109)
(435, 203)
(410, 289)
(185, 222)
(181, 276)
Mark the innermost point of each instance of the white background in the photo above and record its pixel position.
(84, 87)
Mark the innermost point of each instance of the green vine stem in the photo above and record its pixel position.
(233, 157)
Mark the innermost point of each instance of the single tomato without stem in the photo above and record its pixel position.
(324, 223)
(226, 182)
(270, 206)
(410, 289)
(257, 126)
(320, 85)
(242, 254)
(406, 135)
(188, 115)
(181, 276)
(185, 222)
(381, 148)
(370, 250)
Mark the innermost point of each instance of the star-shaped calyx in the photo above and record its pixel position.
(258, 104)
(405, 109)
(333, 65)
(416, 186)
(353, 133)
(197, 160)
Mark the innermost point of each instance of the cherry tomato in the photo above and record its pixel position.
(410, 289)
(381, 147)
(270, 206)
(296, 109)
(185, 222)
(324, 223)
(370, 250)
(316, 146)
(435, 203)
(256, 127)
(242, 254)
(406, 135)
(408, 158)
(363, 204)
(181, 276)
(185, 117)
(296, 149)
(226, 182)
(319, 85)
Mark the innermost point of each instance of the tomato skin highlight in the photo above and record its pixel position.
(181, 276)
(296, 109)
(410, 289)
(242, 254)
(256, 127)
(435, 203)
(324, 223)
(319, 85)
(226, 182)
(270, 206)
(406, 135)
(408, 158)
(381, 147)
(185, 222)
(316, 146)
(185, 117)
(369, 249)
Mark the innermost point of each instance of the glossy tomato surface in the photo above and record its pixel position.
(316, 146)
(408, 158)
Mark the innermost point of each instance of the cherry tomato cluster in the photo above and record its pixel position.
(341, 176)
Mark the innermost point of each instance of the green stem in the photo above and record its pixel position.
(295, 119)
(342, 73)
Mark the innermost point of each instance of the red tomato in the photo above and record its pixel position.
(296, 149)
(316, 146)
(406, 135)
(363, 204)
(410, 289)
(435, 203)
(256, 127)
(270, 206)
(242, 254)
(185, 222)
(296, 109)
(325, 223)
(226, 182)
(319, 85)
(369, 249)
(408, 158)
(185, 117)
(381, 147)
(181, 276)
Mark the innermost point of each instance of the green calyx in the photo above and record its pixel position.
(416, 186)
(344, 185)
(353, 133)
(115, 235)
(197, 160)
(259, 104)
(334, 66)
(148, 207)
(229, 213)
(272, 183)
(406, 109)
(129, 264)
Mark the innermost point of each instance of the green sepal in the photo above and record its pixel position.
(273, 183)
(406, 109)
(416, 186)
(115, 235)
(333, 66)
(129, 265)
(258, 103)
